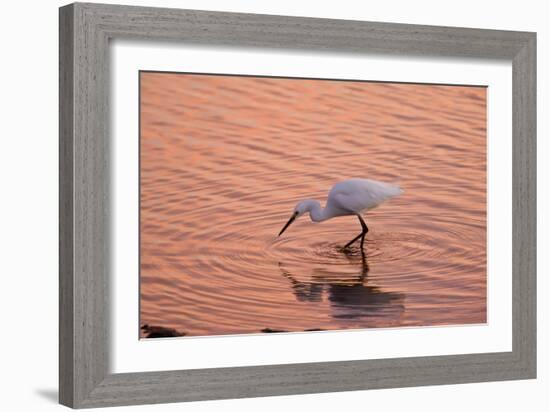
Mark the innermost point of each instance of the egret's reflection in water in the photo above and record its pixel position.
(350, 297)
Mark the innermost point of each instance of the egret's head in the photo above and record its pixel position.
(298, 211)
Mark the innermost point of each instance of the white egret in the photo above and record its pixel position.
(347, 198)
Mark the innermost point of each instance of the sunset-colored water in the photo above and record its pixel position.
(224, 160)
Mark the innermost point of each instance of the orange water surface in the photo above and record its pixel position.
(224, 160)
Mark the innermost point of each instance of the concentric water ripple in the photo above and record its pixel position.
(214, 198)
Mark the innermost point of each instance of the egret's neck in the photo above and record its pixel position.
(316, 212)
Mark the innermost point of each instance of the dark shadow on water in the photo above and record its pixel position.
(350, 296)
(51, 395)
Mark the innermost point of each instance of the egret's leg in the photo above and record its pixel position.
(352, 241)
(365, 230)
(361, 235)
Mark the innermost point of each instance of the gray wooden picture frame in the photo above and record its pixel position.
(85, 31)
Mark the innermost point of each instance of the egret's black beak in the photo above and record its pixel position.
(292, 219)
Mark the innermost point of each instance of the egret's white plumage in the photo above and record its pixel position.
(349, 197)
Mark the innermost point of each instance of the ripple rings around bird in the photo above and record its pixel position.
(247, 255)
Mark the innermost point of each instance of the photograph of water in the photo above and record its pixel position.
(226, 161)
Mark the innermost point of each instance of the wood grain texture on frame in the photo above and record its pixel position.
(85, 31)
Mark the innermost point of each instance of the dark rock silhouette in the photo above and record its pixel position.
(269, 330)
(160, 332)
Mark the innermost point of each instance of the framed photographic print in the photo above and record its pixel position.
(257, 205)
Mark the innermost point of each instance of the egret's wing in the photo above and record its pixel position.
(352, 202)
(361, 194)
